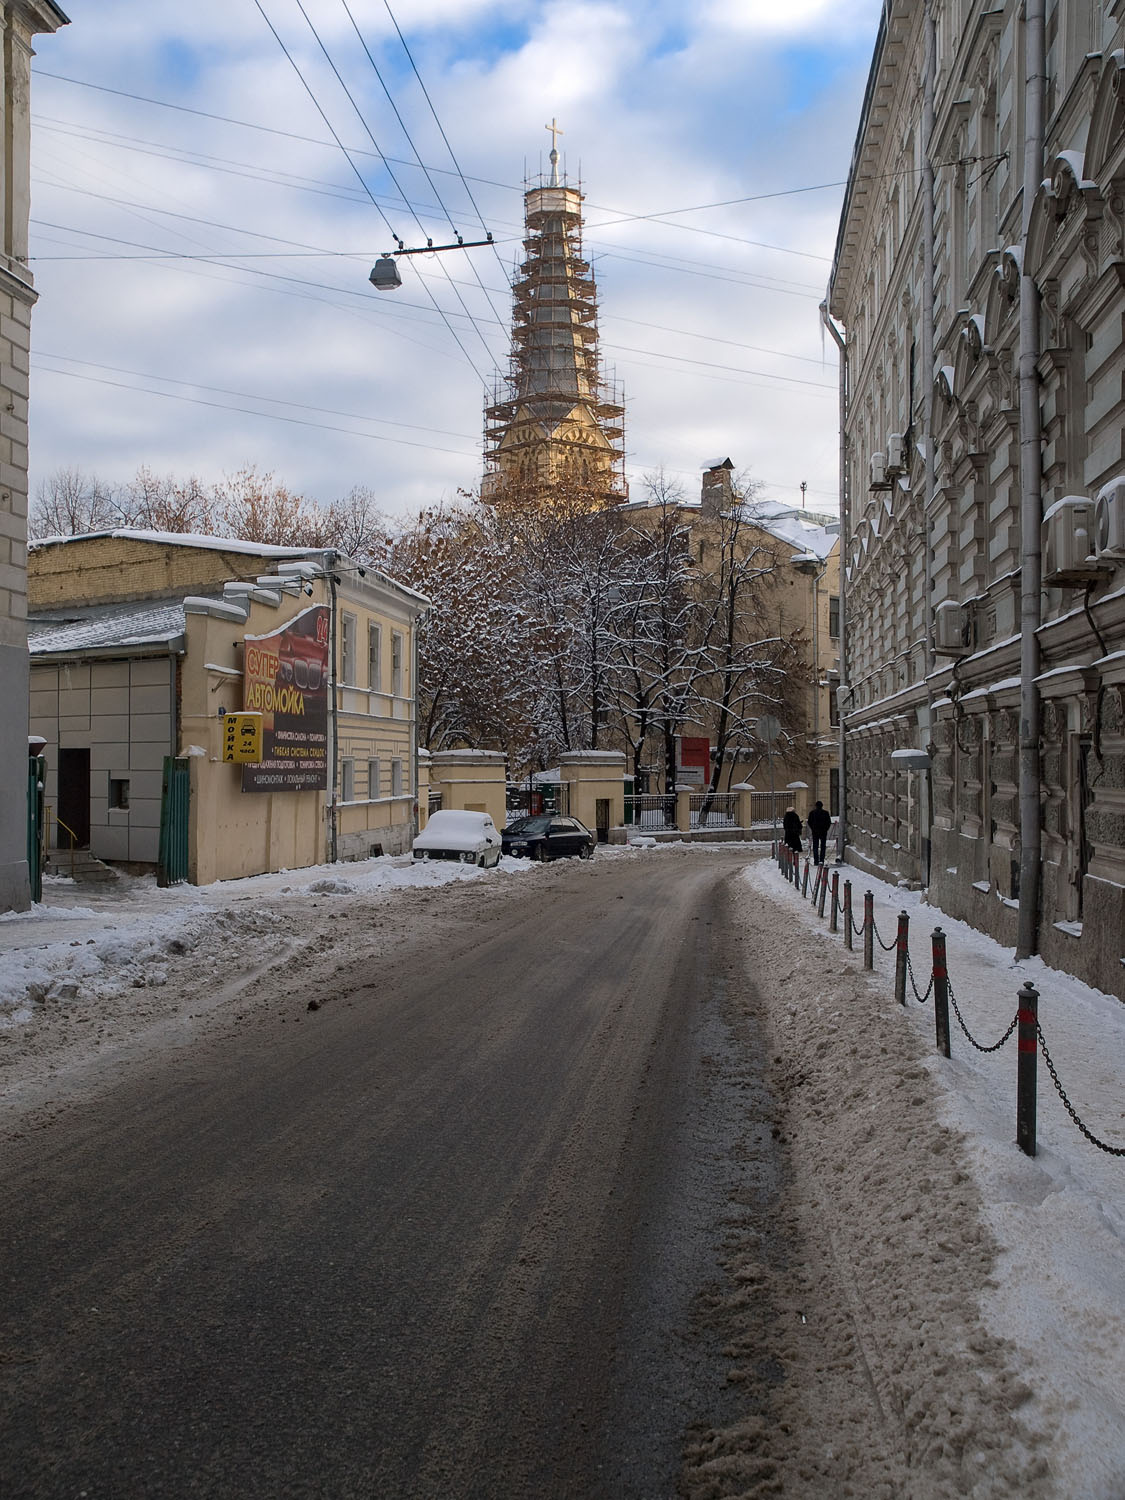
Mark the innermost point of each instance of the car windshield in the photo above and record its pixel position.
(529, 825)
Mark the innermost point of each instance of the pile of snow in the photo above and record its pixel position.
(1058, 1292)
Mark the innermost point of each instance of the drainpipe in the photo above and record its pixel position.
(416, 821)
(333, 714)
(929, 43)
(845, 508)
(1031, 499)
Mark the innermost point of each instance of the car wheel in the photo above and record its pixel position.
(586, 851)
(480, 861)
(496, 859)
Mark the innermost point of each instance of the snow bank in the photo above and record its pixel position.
(1057, 1291)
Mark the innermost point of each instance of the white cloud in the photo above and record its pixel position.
(662, 109)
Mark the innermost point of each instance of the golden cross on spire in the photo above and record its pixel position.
(556, 131)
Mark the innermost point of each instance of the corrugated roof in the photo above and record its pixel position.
(102, 627)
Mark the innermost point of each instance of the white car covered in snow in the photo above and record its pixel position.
(471, 837)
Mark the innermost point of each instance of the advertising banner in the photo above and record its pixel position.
(285, 679)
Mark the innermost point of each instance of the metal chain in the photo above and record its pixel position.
(886, 947)
(1071, 1111)
(921, 999)
(961, 1022)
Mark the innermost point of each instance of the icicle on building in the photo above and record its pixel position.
(554, 418)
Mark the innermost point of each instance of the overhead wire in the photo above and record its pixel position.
(418, 155)
(621, 218)
(246, 411)
(445, 138)
(370, 135)
(219, 390)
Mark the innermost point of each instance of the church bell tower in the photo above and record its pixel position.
(554, 420)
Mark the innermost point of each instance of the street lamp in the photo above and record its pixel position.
(385, 275)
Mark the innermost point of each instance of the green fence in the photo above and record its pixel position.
(172, 862)
(36, 775)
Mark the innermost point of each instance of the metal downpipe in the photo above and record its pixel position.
(1031, 499)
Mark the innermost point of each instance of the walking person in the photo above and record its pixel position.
(791, 826)
(820, 821)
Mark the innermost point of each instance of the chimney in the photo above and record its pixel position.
(717, 493)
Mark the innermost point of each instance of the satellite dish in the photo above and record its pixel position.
(385, 274)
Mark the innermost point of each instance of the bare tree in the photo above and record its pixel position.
(70, 502)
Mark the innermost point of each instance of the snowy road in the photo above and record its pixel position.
(439, 1236)
(613, 1180)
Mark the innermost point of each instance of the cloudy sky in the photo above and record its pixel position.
(212, 182)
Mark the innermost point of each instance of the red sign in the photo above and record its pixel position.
(693, 759)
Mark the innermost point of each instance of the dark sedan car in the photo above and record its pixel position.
(548, 837)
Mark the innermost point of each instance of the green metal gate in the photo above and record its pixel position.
(172, 863)
(36, 775)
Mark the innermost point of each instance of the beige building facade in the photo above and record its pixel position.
(141, 644)
(796, 599)
(984, 516)
(20, 21)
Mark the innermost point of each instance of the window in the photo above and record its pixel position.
(396, 778)
(347, 779)
(347, 648)
(396, 662)
(375, 658)
(118, 792)
(834, 616)
(374, 780)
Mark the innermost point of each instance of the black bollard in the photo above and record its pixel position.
(1027, 1060)
(868, 929)
(941, 993)
(901, 950)
(847, 914)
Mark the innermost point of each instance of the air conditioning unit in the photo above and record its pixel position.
(896, 453)
(953, 629)
(1109, 519)
(879, 480)
(1068, 543)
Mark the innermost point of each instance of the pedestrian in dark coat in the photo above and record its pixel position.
(820, 821)
(791, 826)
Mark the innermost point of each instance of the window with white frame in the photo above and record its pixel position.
(347, 779)
(396, 661)
(374, 779)
(375, 658)
(347, 648)
(396, 778)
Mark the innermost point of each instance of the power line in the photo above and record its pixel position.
(441, 129)
(219, 390)
(370, 135)
(662, 216)
(245, 411)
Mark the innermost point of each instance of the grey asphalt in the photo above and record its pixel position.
(445, 1235)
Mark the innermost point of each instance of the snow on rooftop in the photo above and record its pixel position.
(95, 627)
(177, 539)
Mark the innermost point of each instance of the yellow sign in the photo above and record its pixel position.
(242, 737)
